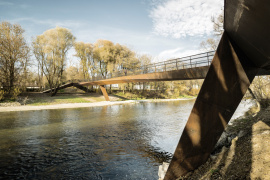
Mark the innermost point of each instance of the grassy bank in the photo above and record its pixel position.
(40, 99)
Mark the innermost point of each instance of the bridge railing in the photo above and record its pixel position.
(198, 60)
(194, 61)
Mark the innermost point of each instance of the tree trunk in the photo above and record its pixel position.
(11, 78)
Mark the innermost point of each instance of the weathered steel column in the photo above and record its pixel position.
(104, 92)
(226, 82)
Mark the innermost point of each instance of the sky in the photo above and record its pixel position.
(163, 29)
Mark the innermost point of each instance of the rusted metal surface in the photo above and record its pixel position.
(181, 74)
(104, 92)
(227, 80)
(263, 72)
(247, 23)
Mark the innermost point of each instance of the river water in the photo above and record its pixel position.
(126, 141)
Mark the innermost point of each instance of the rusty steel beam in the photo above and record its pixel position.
(247, 23)
(104, 92)
(181, 74)
(227, 80)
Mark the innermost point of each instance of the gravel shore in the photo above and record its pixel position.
(17, 107)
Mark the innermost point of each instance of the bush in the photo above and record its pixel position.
(16, 91)
(193, 92)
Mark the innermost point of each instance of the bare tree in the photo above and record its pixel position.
(212, 43)
(218, 25)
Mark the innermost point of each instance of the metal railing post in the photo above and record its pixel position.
(207, 58)
(176, 65)
(190, 62)
(165, 66)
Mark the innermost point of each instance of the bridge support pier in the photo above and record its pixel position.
(104, 92)
(226, 82)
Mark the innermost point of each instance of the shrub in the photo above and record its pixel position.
(16, 91)
(193, 92)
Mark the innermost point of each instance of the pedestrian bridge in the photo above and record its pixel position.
(243, 52)
(184, 68)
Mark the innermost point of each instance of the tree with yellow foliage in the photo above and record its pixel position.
(50, 50)
(14, 56)
(84, 51)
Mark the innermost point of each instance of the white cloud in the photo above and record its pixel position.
(175, 53)
(181, 18)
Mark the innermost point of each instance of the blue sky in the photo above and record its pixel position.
(161, 28)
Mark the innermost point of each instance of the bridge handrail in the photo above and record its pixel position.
(197, 60)
(180, 60)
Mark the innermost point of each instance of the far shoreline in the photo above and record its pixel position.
(82, 105)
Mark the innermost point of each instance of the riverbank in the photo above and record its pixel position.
(38, 101)
(243, 152)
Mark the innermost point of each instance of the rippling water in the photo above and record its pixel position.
(112, 142)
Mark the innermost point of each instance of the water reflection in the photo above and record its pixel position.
(112, 142)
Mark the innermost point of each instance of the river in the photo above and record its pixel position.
(127, 141)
